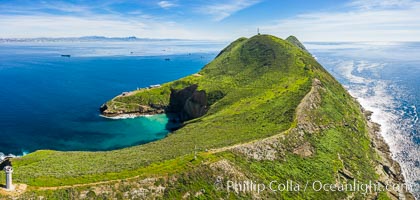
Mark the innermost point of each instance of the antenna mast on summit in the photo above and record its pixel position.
(258, 31)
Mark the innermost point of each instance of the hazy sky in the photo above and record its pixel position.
(326, 20)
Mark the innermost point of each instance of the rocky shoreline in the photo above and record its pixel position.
(187, 103)
(387, 168)
(122, 114)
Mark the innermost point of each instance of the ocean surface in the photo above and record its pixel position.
(51, 102)
(385, 79)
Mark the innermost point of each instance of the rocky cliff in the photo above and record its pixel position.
(265, 110)
(188, 103)
(185, 104)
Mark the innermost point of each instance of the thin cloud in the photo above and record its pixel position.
(360, 24)
(166, 4)
(380, 4)
(61, 7)
(65, 7)
(223, 10)
(70, 26)
(32, 21)
(367, 20)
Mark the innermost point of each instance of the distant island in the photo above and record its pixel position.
(82, 39)
(263, 110)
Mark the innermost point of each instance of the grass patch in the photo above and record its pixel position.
(254, 87)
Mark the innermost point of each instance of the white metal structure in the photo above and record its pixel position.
(9, 171)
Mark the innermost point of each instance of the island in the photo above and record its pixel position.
(263, 111)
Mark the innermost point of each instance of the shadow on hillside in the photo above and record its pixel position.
(174, 123)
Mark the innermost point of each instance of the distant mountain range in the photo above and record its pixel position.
(81, 39)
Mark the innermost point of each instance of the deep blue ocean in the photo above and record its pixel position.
(51, 102)
(385, 79)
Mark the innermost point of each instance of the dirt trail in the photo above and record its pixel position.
(211, 151)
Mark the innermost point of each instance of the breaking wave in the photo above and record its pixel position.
(125, 116)
(4, 156)
(386, 99)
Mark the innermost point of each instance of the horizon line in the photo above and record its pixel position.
(183, 39)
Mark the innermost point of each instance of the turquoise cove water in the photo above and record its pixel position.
(51, 102)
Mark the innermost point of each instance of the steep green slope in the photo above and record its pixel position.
(259, 100)
(273, 114)
(292, 39)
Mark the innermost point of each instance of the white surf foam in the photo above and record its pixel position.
(381, 97)
(4, 156)
(125, 116)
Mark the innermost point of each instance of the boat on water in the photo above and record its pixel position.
(66, 55)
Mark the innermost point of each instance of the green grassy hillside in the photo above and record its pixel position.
(273, 114)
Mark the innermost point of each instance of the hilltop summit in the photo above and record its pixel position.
(259, 63)
(263, 110)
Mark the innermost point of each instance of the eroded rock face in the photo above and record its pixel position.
(179, 98)
(103, 108)
(196, 105)
(188, 103)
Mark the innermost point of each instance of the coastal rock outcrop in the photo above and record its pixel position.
(188, 103)
(103, 108)
(140, 110)
(268, 111)
(324, 133)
